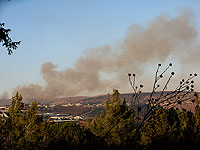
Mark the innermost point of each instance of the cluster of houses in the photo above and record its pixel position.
(53, 117)
(4, 111)
(78, 105)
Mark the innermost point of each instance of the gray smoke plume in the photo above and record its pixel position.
(5, 95)
(103, 68)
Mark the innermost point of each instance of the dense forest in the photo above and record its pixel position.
(117, 128)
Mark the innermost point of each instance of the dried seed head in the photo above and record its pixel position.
(184, 109)
(159, 65)
(179, 102)
(139, 108)
(129, 74)
(170, 64)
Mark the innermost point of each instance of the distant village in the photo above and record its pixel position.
(52, 112)
(80, 111)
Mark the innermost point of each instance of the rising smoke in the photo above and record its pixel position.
(103, 68)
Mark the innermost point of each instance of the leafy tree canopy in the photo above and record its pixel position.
(6, 40)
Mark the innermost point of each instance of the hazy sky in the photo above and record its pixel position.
(60, 31)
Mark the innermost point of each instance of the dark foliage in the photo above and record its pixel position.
(6, 40)
(116, 129)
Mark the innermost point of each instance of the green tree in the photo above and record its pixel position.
(24, 129)
(116, 125)
(32, 125)
(14, 125)
(21, 128)
(6, 40)
(162, 127)
(68, 135)
(196, 102)
(169, 128)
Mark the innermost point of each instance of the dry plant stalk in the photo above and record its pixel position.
(162, 98)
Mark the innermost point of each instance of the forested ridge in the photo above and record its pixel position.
(116, 128)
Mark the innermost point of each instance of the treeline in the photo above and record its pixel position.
(116, 128)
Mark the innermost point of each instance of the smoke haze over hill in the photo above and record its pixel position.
(103, 68)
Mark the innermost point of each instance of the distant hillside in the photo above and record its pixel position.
(88, 106)
(4, 102)
(82, 99)
(55, 101)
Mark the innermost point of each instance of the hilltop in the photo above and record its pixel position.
(87, 106)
